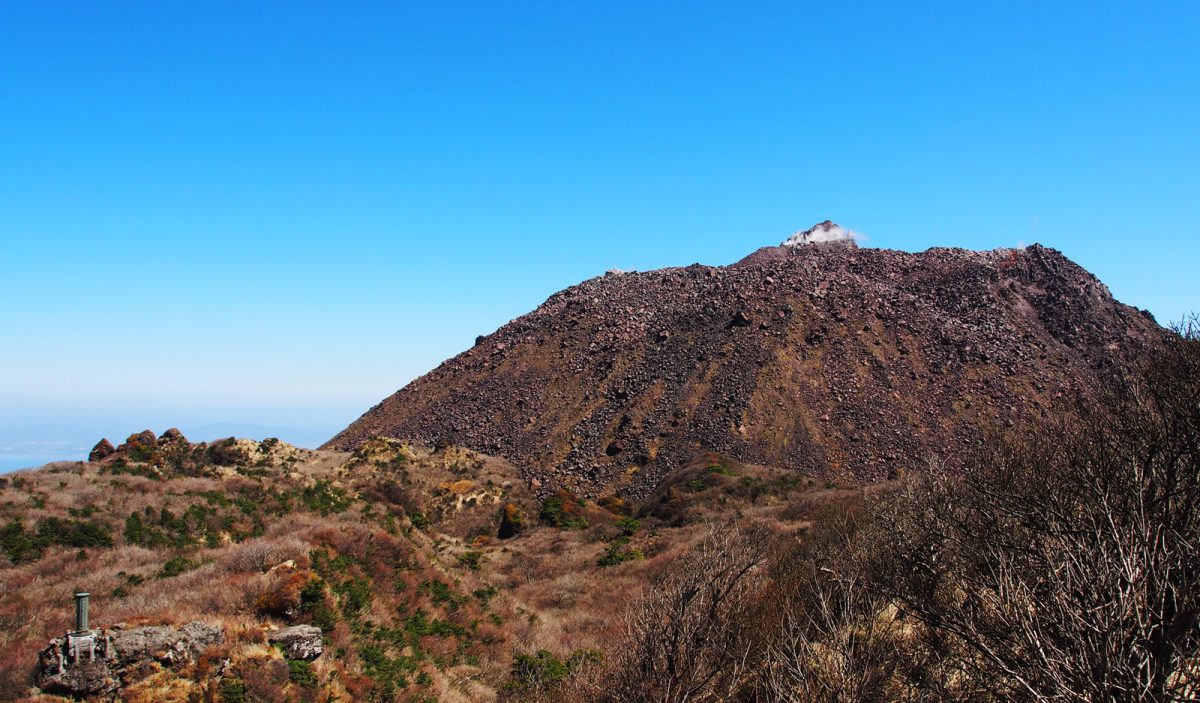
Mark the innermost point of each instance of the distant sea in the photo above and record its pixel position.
(12, 462)
(19, 451)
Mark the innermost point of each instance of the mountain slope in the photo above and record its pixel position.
(825, 358)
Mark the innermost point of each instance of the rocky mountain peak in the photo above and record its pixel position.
(821, 233)
(828, 359)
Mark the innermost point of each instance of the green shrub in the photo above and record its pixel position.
(325, 499)
(389, 673)
(176, 566)
(233, 690)
(419, 625)
(301, 673)
(139, 532)
(752, 487)
(312, 603)
(18, 545)
(628, 526)
(131, 581)
(616, 555)
(441, 594)
(562, 511)
(75, 533)
(354, 595)
(472, 560)
(485, 595)
(538, 672)
(21, 545)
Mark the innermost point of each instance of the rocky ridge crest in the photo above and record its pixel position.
(145, 453)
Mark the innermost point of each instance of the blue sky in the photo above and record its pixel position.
(278, 213)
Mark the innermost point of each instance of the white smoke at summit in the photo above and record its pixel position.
(821, 233)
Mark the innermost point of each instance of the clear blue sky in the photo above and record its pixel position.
(281, 212)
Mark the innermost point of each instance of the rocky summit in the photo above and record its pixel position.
(815, 355)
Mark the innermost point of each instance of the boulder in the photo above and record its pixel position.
(117, 657)
(172, 436)
(101, 451)
(165, 644)
(232, 452)
(95, 678)
(247, 452)
(145, 439)
(299, 641)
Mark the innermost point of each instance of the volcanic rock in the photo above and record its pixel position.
(102, 450)
(830, 360)
(120, 657)
(172, 436)
(173, 455)
(145, 438)
(299, 641)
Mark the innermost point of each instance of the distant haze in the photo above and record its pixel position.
(32, 434)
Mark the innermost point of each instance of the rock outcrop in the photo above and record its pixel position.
(831, 360)
(101, 451)
(173, 454)
(298, 642)
(141, 441)
(117, 657)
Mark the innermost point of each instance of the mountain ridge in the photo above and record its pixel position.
(824, 358)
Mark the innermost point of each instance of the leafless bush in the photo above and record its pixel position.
(1066, 564)
(260, 555)
(688, 638)
(838, 639)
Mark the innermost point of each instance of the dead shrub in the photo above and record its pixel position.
(687, 638)
(266, 679)
(259, 555)
(1063, 564)
(282, 597)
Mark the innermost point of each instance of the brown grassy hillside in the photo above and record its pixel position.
(394, 551)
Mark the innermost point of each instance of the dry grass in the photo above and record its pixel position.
(419, 527)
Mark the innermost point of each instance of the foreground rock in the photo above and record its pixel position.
(298, 642)
(114, 658)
